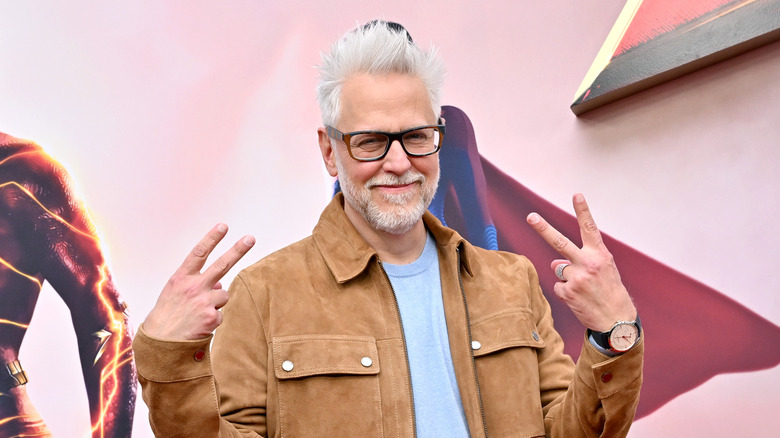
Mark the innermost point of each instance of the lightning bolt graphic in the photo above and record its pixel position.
(20, 417)
(103, 336)
(29, 277)
(51, 213)
(109, 379)
(6, 420)
(9, 322)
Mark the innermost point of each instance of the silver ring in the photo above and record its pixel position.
(559, 270)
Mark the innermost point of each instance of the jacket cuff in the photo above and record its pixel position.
(161, 361)
(609, 375)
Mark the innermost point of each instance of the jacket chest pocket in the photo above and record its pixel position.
(327, 385)
(505, 347)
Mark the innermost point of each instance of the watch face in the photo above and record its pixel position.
(623, 336)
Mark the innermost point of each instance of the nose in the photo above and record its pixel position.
(396, 161)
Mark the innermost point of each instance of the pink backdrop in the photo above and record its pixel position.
(174, 116)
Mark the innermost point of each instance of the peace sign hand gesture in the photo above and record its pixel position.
(590, 282)
(188, 306)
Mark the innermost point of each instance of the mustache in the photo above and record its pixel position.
(409, 177)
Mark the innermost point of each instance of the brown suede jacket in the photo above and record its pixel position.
(312, 345)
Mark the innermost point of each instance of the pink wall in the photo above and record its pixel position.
(173, 117)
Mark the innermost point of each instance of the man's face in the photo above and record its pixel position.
(391, 194)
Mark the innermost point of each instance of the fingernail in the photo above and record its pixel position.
(222, 228)
(533, 218)
(579, 197)
(249, 240)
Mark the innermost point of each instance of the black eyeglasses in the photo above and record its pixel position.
(373, 145)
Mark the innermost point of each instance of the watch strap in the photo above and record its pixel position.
(600, 338)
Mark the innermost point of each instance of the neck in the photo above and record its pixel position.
(397, 249)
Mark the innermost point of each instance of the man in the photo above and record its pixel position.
(384, 322)
(46, 235)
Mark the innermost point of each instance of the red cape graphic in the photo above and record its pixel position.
(693, 331)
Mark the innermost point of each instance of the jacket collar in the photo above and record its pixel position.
(346, 253)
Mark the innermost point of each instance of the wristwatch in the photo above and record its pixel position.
(621, 337)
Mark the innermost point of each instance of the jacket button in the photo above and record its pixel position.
(606, 377)
(287, 366)
(476, 345)
(366, 362)
(199, 355)
(535, 336)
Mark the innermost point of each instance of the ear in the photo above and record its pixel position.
(328, 153)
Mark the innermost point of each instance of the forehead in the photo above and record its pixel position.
(389, 102)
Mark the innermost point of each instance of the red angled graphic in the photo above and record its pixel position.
(654, 41)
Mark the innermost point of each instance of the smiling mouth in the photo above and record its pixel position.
(395, 186)
(395, 183)
(397, 189)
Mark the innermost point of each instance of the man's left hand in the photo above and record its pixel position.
(590, 283)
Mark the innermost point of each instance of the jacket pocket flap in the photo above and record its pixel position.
(506, 329)
(310, 355)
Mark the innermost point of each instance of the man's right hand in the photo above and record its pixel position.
(188, 306)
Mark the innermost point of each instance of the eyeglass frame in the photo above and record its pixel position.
(391, 137)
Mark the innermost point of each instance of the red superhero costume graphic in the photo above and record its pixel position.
(694, 331)
(46, 235)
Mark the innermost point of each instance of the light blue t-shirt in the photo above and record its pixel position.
(417, 287)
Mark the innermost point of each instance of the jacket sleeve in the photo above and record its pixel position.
(601, 397)
(181, 390)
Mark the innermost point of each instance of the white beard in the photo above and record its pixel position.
(403, 213)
